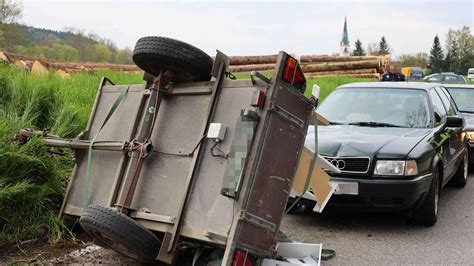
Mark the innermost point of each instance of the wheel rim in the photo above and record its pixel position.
(466, 166)
(113, 244)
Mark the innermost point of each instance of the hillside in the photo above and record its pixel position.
(69, 45)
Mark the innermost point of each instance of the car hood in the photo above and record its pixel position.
(469, 118)
(380, 142)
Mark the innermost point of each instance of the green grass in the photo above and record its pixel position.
(327, 84)
(32, 181)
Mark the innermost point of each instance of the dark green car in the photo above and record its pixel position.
(463, 95)
(396, 144)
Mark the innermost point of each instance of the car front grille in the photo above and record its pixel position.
(350, 164)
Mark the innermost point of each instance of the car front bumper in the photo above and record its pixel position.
(471, 152)
(384, 195)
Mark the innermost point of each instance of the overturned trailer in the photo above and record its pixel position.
(191, 165)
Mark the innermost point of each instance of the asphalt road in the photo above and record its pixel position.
(376, 239)
(358, 239)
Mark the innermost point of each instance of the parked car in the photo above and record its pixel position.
(448, 77)
(470, 74)
(389, 76)
(396, 144)
(463, 95)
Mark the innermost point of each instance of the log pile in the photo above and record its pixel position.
(318, 65)
(65, 67)
(312, 65)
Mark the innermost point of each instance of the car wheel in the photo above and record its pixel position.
(182, 62)
(428, 213)
(121, 233)
(460, 178)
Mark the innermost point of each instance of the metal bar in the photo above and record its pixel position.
(84, 144)
(132, 172)
(194, 163)
(125, 158)
(103, 80)
(189, 91)
(153, 217)
(257, 221)
(260, 76)
(287, 115)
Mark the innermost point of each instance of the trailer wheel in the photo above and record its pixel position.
(121, 233)
(183, 62)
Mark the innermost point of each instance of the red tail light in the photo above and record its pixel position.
(241, 259)
(292, 73)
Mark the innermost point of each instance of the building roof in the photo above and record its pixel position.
(397, 85)
(345, 35)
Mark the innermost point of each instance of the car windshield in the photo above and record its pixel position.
(464, 98)
(377, 107)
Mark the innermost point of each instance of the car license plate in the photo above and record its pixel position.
(346, 188)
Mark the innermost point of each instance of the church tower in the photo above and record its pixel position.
(345, 48)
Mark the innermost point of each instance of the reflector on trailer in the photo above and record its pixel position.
(241, 259)
(293, 74)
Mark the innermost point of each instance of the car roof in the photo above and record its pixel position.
(460, 86)
(397, 85)
(443, 74)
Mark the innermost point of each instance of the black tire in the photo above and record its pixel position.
(121, 233)
(184, 62)
(460, 178)
(428, 213)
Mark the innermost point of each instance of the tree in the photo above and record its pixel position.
(10, 11)
(124, 56)
(413, 60)
(436, 56)
(451, 62)
(102, 53)
(12, 35)
(459, 50)
(466, 49)
(383, 47)
(358, 51)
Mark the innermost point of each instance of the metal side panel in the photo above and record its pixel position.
(276, 166)
(207, 209)
(120, 127)
(161, 187)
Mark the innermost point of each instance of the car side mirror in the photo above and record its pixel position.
(454, 121)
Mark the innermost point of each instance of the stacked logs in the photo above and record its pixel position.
(312, 65)
(39, 65)
(318, 65)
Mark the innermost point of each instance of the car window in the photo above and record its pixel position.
(438, 108)
(435, 78)
(452, 78)
(400, 107)
(464, 98)
(446, 102)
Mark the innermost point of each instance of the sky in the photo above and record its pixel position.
(259, 27)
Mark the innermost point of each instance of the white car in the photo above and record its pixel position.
(470, 74)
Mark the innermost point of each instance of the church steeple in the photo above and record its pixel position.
(345, 44)
(345, 36)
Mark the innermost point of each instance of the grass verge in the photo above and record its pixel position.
(32, 180)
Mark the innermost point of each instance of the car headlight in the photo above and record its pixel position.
(470, 136)
(398, 168)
